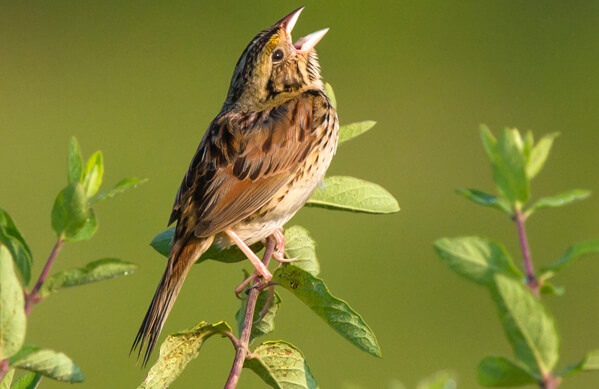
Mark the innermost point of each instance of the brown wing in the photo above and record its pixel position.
(243, 161)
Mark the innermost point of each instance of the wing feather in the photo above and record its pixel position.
(242, 162)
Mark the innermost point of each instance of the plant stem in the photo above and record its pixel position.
(531, 280)
(31, 298)
(3, 368)
(244, 341)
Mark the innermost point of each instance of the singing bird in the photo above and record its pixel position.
(257, 164)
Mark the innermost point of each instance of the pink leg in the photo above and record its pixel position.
(260, 268)
(279, 254)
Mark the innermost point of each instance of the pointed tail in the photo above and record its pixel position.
(179, 264)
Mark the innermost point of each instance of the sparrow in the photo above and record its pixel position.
(257, 164)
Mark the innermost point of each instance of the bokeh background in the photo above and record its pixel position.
(142, 80)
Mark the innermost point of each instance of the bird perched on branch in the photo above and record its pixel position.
(257, 164)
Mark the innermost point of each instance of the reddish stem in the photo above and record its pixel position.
(31, 298)
(531, 280)
(244, 341)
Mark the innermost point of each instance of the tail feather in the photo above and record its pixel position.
(179, 264)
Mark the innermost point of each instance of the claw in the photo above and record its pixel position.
(279, 257)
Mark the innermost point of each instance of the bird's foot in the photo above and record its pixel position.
(260, 267)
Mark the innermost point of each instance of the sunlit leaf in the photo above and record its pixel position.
(328, 89)
(74, 162)
(12, 311)
(589, 363)
(528, 325)
(102, 269)
(121, 187)
(539, 154)
(501, 372)
(574, 252)
(70, 212)
(487, 200)
(476, 258)
(48, 363)
(560, 200)
(16, 245)
(89, 228)
(489, 143)
(300, 245)
(28, 381)
(353, 194)
(509, 167)
(92, 177)
(263, 326)
(281, 365)
(177, 351)
(349, 131)
(335, 312)
(7, 380)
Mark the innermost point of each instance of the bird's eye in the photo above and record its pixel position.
(277, 55)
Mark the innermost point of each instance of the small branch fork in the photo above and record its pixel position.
(533, 284)
(242, 344)
(31, 298)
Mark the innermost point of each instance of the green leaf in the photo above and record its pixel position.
(539, 154)
(335, 312)
(528, 145)
(509, 167)
(28, 381)
(349, 131)
(89, 228)
(528, 325)
(177, 351)
(7, 380)
(353, 194)
(487, 200)
(589, 363)
(281, 365)
(328, 89)
(121, 187)
(300, 245)
(92, 177)
(489, 143)
(46, 362)
(102, 269)
(439, 380)
(475, 258)
(70, 212)
(574, 252)
(549, 288)
(501, 372)
(16, 245)
(12, 312)
(263, 326)
(559, 200)
(74, 162)
(162, 244)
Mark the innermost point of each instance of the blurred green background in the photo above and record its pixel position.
(142, 80)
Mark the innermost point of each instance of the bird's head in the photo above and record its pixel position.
(273, 69)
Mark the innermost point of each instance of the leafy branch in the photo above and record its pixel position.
(527, 323)
(278, 363)
(73, 219)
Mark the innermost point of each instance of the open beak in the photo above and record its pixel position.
(306, 43)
